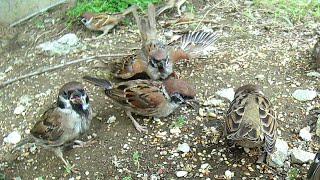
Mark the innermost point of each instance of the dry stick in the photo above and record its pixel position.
(206, 15)
(41, 71)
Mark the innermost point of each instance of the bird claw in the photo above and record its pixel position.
(139, 127)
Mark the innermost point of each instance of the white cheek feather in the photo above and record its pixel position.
(65, 102)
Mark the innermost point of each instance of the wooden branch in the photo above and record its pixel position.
(47, 69)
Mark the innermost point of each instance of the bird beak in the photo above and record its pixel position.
(77, 98)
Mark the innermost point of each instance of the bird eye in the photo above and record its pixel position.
(153, 64)
(84, 20)
(65, 94)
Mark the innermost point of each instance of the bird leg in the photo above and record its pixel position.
(178, 5)
(67, 165)
(136, 124)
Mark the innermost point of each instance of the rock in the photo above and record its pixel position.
(175, 131)
(305, 133)
(111, 119)
(181, 173)
(184, 147)
(213, 102)
(260, 77)
(304, 95)
(318, 126)
(300, 156)
(228, 174)
(12, 138)
(10, 68)
(227, 93)
(313, 74)
(280, 154)
(204, 166)
(62, 46)
(19, 109)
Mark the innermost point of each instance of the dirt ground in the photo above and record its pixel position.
(253, 48)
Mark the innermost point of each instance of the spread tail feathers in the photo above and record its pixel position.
(147, 27)
(100, 82)
(195, 42)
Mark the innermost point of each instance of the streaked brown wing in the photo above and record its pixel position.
(177, 54)
(48, 128)
(101, 20)
(268, 122)
(139, 95)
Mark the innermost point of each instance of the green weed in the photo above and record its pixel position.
(291, 11)
(180, 121)
(293, 173)
(126, 178)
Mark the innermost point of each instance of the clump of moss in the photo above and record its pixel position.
(99, 6)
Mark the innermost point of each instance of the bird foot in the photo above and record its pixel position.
(80, 144)
(139, 127)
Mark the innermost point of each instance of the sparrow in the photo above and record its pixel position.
(156, 59)
(316, 53)
(314, 170)
(250, 121)
(170, 4)
(147, 97)
(63, 122)
(104, 21)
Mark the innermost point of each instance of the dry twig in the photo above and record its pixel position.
(47, 69)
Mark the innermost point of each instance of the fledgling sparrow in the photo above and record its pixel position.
(147, 97)
(155, 58)
(314, 170)
(170, 4)
(104, 21)
(64, 122)
(250, 121)
(316, 53)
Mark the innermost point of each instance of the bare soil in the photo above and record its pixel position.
(255, 49)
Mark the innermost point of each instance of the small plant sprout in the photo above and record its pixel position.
(180, 121)
(135, 158)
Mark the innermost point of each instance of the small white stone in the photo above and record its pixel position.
(313, 74)
(184, 147)
(12, 138)
(280, 154)
(305, 133)
(19, 109)
(300, 156)
(181, 173)
(8, 69)
(87, 173)
(227, 93)
(213, 102)
(111, 119)
(204, 166)
(304, 95)
(260, 77)
(318, 126)
(125, 146)
(175, 131)
(228, 174)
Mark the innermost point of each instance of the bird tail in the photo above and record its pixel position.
(14, 153)
(130, 9)
(100, 82)
(147, 27)
(197, 41)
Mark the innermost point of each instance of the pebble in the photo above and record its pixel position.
(181, 173)
(304, 95)
(213, 102)
(204, 166)
(305, 133)
(227, 93)
(318, 126)
(184, 147)
(300, 156)
(12, 138)
(175, 131)
(228, 174)
(62, 46)
(111, 119)
(313, 74)
(19, 109)
(280, 154)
